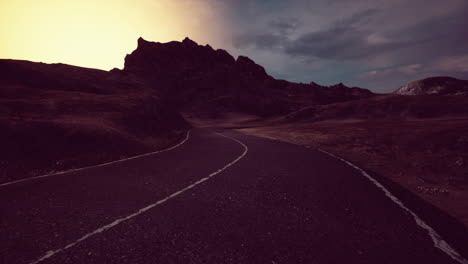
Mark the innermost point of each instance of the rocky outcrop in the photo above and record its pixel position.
(200, 78)
(435, 86)
(184, 59)
(249, 69)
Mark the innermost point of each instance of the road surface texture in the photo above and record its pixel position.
(217, 198)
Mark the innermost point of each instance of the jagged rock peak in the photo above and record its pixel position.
(189, 42)
(142, 42)
(245, 60)
(248, 66)
(339, 85)
(314, 84)
(225, 56)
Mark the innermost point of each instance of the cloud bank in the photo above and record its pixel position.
(375, 44)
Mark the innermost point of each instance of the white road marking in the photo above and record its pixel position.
(120, 220)
(438, 241)
(99, 165)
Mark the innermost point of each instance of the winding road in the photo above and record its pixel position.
(217, 197)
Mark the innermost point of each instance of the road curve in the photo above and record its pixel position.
(187, 136)
(217, 198)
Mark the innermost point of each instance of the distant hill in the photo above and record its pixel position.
(392, 106)
(201, 79)
(56, 116)
(426, 101)
(435, 86)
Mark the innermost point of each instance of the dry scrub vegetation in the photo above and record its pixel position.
(427, 157)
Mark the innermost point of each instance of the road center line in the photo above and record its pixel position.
(438, 241)
(142, 210)
(99, 165)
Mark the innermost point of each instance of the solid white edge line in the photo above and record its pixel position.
(99, 165)
(50, 253)
(436, 238)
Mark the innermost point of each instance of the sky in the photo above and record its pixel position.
(98, 33)
(375, 44)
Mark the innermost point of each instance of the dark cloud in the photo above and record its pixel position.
(260, 41)
(359, 18)
(440, 36)
(285, 26)
(275, 37)
(343, 42)
(373, 42)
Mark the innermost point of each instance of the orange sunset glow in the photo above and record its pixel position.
(97, 34)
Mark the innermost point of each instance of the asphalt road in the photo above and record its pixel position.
(217, 198)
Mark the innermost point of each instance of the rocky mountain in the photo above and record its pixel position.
(435, 86)
(199, 78)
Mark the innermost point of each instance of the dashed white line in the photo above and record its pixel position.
(120, 220)
(99, 165)
(437, 240)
